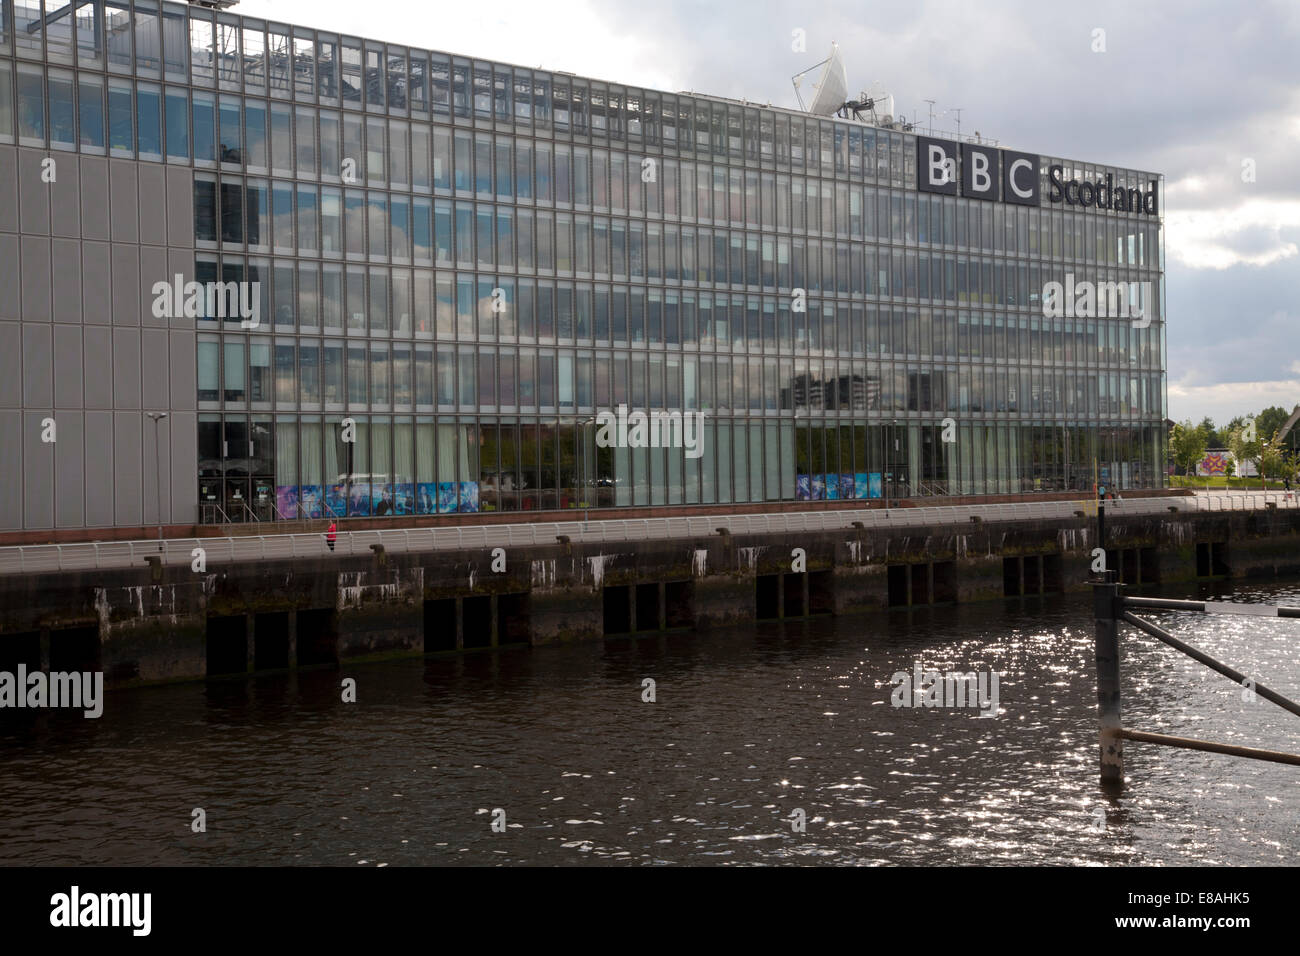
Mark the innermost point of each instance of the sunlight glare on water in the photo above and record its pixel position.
(748, 727)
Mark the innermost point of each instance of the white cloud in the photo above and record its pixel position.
(1225, 400)
(1212, 238)
(579, 36)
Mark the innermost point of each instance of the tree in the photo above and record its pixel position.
(1212, 439)
(1270, 420)
(1272, 458)
(1290, 463)
(1188, 443)
(1243, 449)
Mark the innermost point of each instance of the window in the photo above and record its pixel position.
(254, 56)
(308, 297)
(282, 216)
(376, 152)
(254, 134)
(233, 379)
(148, 109)
(305, 137)
(230, 139)
(304, 66)
(285, 377)
(175, 42)
(204, 108)
(307, 233)
(31, 105)
(332, 378)
(6, 103)
(147, 39)
(281, 140)
(90, 34)
(332, 221)
(441, 158)
(356, 375)
(399, 171)
(63, 120)
(178, 123)
(205, 210)
(259, 378)
(209, 361)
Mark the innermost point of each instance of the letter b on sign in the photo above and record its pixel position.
(936, 166)
(979, 172)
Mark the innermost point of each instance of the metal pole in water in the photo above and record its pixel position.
(1105, 594)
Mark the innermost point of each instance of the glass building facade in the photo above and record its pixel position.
(460, 263)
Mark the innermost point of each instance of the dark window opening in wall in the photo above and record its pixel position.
(205, 211)
(232, 212)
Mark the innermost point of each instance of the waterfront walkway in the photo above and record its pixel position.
(224, 550)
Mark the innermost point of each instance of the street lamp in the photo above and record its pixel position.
(157, 465)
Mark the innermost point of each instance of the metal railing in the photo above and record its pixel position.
(252, 547)
(1245, 500)
(1110, 607)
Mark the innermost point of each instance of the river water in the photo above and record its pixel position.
(747, 728)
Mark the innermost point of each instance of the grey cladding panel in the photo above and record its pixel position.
(65, 199)
(67, 285)
(94, 198)
(33, 195)
(154, 368)
(70, 472)
(99, 367)
(124, 201)
(10, 302)
(38, 472)
(68, 368)
(11, 470)
(153, 210)
(8, 189)
(184, 370)
(153, 269)
(127, 453)
(182, 264)
(36, 280)
(126, 284)
(184, 452)
(11, 373)
(97, 283)
(38, 367)
(180, 207)
(126, 368)
(99, 469)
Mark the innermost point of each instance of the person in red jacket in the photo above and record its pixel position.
(331, 535)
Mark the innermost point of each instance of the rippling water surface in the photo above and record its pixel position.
(748, 727)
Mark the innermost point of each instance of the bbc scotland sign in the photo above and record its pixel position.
(1003, 175)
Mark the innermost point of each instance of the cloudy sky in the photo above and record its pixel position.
(1190, 89)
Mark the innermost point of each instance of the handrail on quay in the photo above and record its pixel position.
(104, 554)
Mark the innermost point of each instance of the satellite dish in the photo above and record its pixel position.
(832, 86)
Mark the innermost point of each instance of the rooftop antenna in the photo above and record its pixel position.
(931, 123)
(958, 110)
